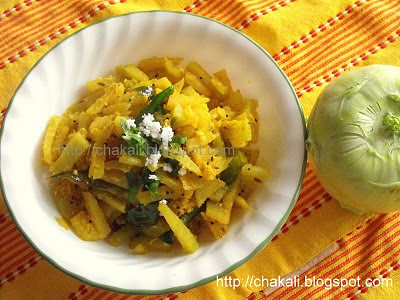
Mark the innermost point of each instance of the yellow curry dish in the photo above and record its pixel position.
(154, 156)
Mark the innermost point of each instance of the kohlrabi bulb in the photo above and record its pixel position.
(354, 139)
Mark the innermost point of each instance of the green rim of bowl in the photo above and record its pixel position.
(204, 280)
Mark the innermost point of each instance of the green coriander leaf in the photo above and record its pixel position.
(179, 140)
(174, 165)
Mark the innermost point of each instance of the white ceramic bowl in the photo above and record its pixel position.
(57, 81)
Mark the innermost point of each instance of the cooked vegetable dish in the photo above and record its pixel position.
(154, 156)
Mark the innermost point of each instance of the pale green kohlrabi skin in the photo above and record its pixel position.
(354, 139)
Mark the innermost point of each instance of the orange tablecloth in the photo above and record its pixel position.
(313, 41)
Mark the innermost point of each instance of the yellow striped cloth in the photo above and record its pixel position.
(314, 41)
